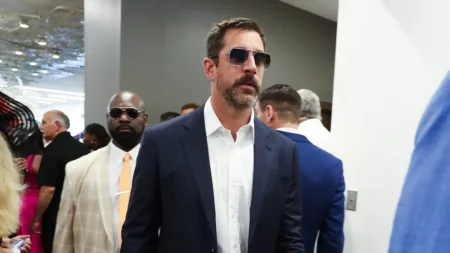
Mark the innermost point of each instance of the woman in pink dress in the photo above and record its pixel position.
(30, 198)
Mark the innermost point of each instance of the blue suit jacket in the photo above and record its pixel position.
(422, 221)
(323, 196)
(172, 190)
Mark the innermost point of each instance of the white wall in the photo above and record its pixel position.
(102, 19)
(391, 56)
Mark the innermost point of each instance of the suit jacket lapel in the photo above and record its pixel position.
(261, 172)
(196, 151)
(101, 167)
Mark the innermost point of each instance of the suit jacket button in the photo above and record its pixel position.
(213, 250)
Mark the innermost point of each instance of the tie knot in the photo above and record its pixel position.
(127, 157)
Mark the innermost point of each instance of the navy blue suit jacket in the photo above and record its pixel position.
(172, 190)
(323, 196)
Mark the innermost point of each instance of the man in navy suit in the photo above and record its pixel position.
(322, 175)
(218, 179)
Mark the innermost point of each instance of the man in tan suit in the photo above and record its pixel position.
(97, 186)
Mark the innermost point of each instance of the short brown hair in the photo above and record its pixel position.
(189, 106)
(284, 100)
(214, 40)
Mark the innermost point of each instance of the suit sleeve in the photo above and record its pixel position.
(290, 238)
(64, 236)
(331, 236)
(144, 216)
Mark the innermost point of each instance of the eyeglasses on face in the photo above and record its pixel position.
(131, 112)
(238, 56)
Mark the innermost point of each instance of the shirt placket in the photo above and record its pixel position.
(233, 201)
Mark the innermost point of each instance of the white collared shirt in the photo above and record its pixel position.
(231, 165)
(116, 156)
(315, 132)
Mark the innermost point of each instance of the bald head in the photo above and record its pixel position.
(126, 119)
(126, 99)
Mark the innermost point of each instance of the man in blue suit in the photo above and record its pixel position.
(422, 222)
(218, 179)
(322, 175)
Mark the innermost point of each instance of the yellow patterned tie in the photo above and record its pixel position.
(125, 186)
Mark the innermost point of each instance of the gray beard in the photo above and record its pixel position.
(233, 98)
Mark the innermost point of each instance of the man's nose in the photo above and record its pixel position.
(124, 117)
(250, 65)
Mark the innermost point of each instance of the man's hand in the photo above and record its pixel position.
(6, 243)
(34, 227)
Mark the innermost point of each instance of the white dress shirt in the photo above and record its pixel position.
(231, 165)
(116, 156)
(316, 133)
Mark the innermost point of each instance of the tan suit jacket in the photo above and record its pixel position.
(84, 223)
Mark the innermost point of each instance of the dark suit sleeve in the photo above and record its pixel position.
(48, 170)
(290, 238)
(140, 231)
(331, 236)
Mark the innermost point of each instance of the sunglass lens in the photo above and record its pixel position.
(132, 113)
(262, 59)
(115, 113)
(238, 56)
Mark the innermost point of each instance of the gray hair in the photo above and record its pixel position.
(61, 118)
(310, 108)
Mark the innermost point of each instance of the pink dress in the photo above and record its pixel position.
(29, 203)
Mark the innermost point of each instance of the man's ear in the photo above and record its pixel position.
(270, 113)
(58, 125)
(209, 67)
(145, 118)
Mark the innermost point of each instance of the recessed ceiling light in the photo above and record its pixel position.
(55, 56)
(23, 24)
(1, 60)
(42, 42)
(35, 74)
(44, 71)
(18, 52)
(14, 69)
(33, 63)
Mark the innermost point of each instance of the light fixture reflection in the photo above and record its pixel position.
(23, 24)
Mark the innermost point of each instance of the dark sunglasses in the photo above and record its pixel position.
(238, 56)
(132, 113)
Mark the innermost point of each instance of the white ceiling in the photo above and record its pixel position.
(325, 8)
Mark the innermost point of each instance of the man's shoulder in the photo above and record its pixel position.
(318, 156)
(173, 127)
(84, 162)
